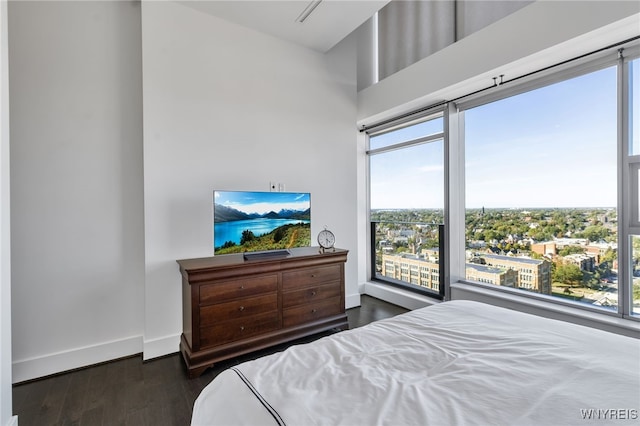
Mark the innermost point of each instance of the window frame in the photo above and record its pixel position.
(626, 198)
(454, 179)
(630, 181)
(634, 188)
(388, 127)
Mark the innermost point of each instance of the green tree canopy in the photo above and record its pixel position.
(247, 235)
(567, 274)
(565, 251)
(595, 233)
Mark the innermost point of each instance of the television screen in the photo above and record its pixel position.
(260, 221)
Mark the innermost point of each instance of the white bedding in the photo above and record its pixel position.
(453, 363)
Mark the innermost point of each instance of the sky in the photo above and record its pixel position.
(551, 147)
(263, 202)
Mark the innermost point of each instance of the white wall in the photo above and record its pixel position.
(226, 107)
(6, 408)
(76, 184)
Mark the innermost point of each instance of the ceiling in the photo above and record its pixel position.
(330, 21)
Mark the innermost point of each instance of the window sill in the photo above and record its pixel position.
(547, 309)
(397, 296)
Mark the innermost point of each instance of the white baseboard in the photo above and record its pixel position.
(13, 421)
(162, 346)
(352, 300)
(33, 368)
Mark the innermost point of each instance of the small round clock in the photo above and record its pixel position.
(326, 239)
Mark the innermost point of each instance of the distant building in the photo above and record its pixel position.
(599, 249)
(400, 233)
(412, 269)
(564, 242)
(585, 262)
(594, 250)
(431, 254)
(545, 249)
(490, 275)
(533, 274)
(424, 270)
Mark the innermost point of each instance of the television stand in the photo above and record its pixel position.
(256, 255)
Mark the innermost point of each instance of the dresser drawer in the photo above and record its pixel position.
(234, 289)
(310, 276)
(310, 294)
(238, 329)
(241, 308)
(312, 311)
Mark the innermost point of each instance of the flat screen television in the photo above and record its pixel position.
(260, 222)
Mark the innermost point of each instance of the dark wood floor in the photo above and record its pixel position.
(132, 392)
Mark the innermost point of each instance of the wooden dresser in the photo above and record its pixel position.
(232, 306)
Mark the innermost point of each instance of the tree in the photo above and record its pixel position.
(228, 244)
(591, 279)
(247, 236)
(279, 234)
(568, 274)
(610, 255)
(595, 233)
(565, 251)
(535, 255)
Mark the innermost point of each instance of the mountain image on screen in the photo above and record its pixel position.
(260, 221)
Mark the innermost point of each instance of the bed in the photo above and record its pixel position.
(454, 363)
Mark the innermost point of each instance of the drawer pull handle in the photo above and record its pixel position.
(241, 308)
(313, 275)
(241, 287)
(242, 328)
(313, 311)
(313, 293)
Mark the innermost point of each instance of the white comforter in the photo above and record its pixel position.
(454, 363)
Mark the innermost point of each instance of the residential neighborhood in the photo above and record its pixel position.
(568, 253)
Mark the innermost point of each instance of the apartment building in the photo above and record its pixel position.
(533, 274)
(586, 262)
(412, 268)
(491, 275)
(424, 270)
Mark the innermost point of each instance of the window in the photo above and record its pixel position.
(541, 185)
(406, 173)
(544, 178)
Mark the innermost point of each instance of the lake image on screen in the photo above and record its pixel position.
(260, 221)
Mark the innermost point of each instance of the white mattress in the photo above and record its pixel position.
(454, 363)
